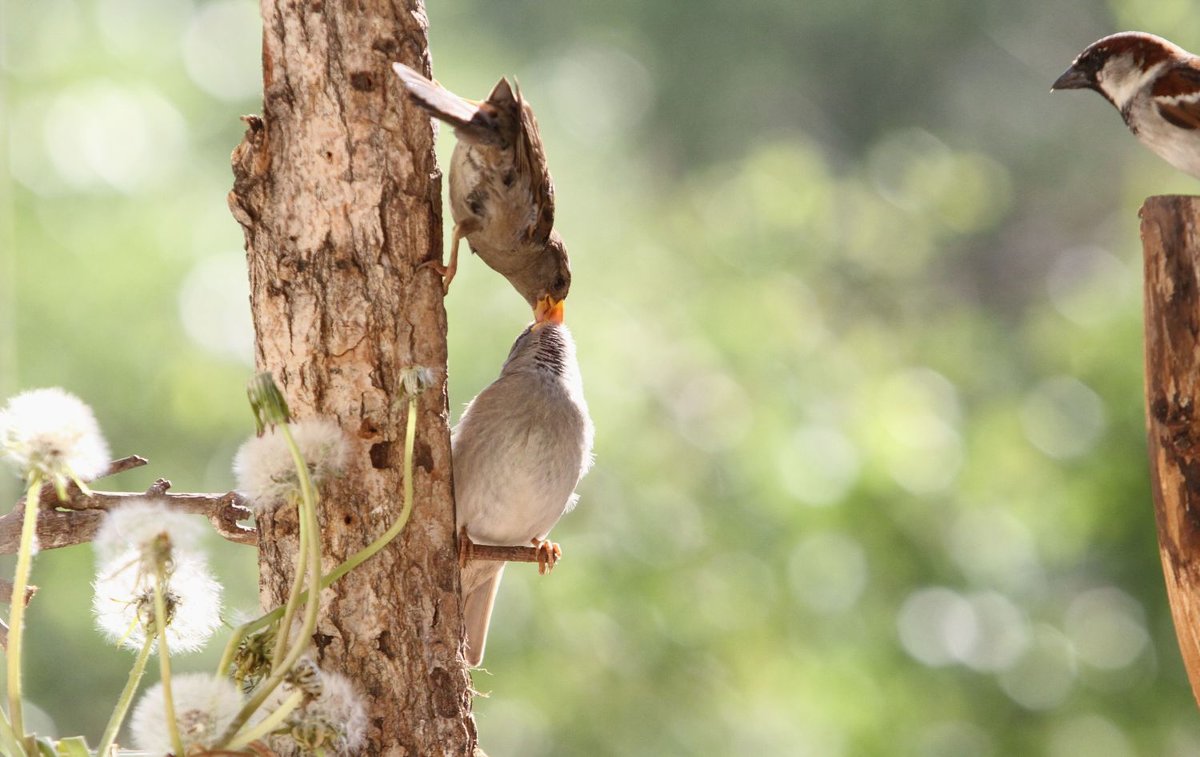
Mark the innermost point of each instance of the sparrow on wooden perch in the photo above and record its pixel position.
(501, 193)
(519, 450)
(1154, 84)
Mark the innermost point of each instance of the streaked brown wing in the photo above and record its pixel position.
(531, 159)
(1177, 92)
(471, 120)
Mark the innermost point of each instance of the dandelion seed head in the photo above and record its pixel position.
(204, 707)
(52, 432)
(333, 720)
(264, 468)
(137, 523)
(123, 602)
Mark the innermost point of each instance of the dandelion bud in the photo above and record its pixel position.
(416, 379)
(267, 402)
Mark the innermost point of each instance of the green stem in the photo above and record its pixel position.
(283, 638)
(8, 742)
(351, 562)
(308, 521)
(126, 698)
(164, 660)
(16, 618)
(269, 723)
(359, 557)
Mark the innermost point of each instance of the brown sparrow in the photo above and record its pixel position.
(501, 193)
(519, 450)
(1154, 84)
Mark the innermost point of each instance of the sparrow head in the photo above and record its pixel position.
(548, 273)
(556, 267)
(1119, 65)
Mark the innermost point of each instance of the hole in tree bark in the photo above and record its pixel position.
(423, 456)
(362, 81)
(381, 455)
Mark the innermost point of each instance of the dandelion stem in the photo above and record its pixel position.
(126, 698)
(164, 659)
(308, 521)
(364, 554)
(269, 723)
(8, 742)
(16, 618)
(296, 594)
(351, 562)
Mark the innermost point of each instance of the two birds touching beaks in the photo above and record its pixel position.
(524, 442)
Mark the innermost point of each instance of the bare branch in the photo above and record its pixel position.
(77, 519)
(503, 554)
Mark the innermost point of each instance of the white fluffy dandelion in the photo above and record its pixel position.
(124, 601)
(135, 524)
(205, 705)
(331, 721)
(53, 432)
(264, 468)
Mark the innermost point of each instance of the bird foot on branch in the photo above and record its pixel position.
(544, 553)
(547, 555)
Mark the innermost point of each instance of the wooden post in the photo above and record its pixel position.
(338, 194)
(1171, 246)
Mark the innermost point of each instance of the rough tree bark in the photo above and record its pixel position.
(1171, 245)
(338, 194)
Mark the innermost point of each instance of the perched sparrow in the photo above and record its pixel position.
(520, 449)
(501, 193)
(1156, 87)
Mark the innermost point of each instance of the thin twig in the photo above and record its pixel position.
(503, 554)
(545, 555)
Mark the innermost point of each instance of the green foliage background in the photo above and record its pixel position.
(858, 308)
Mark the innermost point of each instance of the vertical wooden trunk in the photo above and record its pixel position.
(1172, 313)
(337, 191)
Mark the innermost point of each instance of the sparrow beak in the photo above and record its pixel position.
(548, 310)
(1073, 78)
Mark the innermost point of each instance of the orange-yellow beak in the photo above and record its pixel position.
(548, 310)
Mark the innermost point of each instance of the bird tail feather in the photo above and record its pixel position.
(479, 595)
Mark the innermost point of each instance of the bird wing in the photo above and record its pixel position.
(1177, 95)
(531, 158)
(473, 121)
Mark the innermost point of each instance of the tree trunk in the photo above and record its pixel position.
(338, 194)
(1172, 311)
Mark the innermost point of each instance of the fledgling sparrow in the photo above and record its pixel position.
(501, 193)
(519, 450)
(1154, 84)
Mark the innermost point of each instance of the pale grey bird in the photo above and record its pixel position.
(519, 450)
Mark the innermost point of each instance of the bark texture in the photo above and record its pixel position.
(338, 194)
(1172, 314)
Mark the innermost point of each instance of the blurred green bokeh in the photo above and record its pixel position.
(858, 308)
